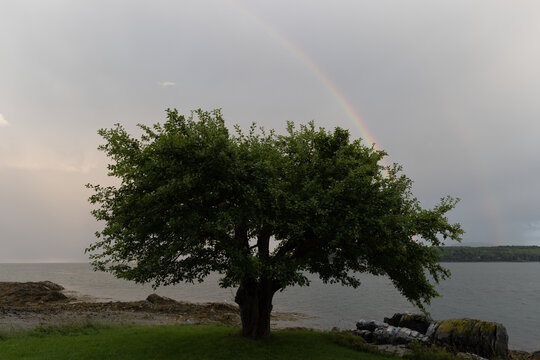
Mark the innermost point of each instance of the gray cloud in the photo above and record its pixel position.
(167, 83)
(3, 121)
(449, 89)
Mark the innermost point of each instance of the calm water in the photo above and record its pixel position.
(504, 292)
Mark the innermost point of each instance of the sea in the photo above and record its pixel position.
(508, 293)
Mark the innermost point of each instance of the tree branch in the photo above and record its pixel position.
(284, 249)
(299, 248)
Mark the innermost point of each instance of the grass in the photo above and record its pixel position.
(421, 352)
(175, 342)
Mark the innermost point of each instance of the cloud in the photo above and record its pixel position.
(167, 83)
(31, 156)
(49, 165)
(47, 162)
(3, 122)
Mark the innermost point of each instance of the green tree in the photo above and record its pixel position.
(263, 210)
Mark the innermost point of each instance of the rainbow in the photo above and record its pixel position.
(490, 205)
(315, 69)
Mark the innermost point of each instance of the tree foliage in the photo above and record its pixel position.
(261, 209)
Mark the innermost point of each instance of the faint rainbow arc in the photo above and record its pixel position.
(341, 98)
(316, 69)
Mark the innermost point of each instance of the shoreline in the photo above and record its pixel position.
(28, 305)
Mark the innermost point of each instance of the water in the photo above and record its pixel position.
(503, 292)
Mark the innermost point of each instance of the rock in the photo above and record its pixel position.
(473, 339)
(221, 307)
(51, 286)
(397, 336)
(431, 329)
(30, 293)
(417, 322)
(403, 336)
(520, 355)
(394, 320)
(469, 356)
(396, 350)
(364, 334)
(370, 325)
(160, 300)
(487, 339)
(381, 333)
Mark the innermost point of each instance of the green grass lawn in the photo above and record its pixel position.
(173, 342)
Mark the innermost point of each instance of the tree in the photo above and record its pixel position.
(263, 210)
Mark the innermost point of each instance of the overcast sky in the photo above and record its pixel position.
(450, 89)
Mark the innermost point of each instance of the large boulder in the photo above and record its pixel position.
(487, 339)
(416, 322)
(30, 293)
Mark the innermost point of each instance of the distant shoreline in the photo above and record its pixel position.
(519, 254)
(488, 261)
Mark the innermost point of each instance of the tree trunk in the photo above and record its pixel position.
(255, 301)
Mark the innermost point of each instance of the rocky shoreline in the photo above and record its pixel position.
(470, 338)
(31, 304)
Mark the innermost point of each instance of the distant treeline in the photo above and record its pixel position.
(490, 253)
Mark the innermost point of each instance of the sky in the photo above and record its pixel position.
(449, 89)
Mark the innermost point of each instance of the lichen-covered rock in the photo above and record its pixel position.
(417, 322)
(487, 339)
